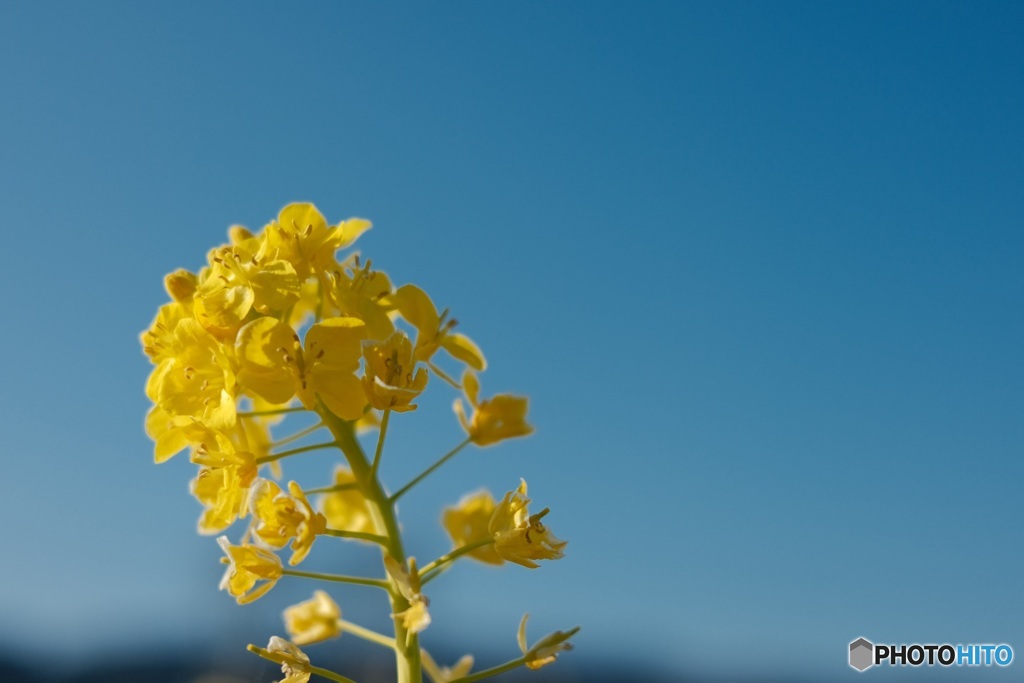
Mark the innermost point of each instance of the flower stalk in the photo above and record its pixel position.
(407, 650)
(430, 470)
(277, 324)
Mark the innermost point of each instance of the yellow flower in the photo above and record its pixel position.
(545, 650)
(363, 293)
(158, 340)
(240, 279)
(519, 536)
(493, 419)
(194, 377)
(225, 475)
(181, 285)
(281, 517)
(275, 514)
(237, 234)
(391, 379)
(469, 521)
(313, 621)
(306, 306)
(275, 366)
(294, 662)
(248, 566)
(435, 331)
(301, 236)
(444, 674)
(416, 617)
(347, 510)
(167, 432)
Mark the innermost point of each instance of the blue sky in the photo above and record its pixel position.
(758, 267)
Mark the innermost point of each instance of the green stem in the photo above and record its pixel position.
(295, 451)
(423, 475)
(443, 375)
(279, 411)
(298, 435)
(337, 487)
(493, 671)
(434, 573)
(380, 442)
(407, 647)
(452, 556)
(277, 659)
(339, 578)
(329, 675)
(366, 634)
(360, 535)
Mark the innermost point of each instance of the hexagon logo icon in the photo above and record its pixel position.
(862, 654)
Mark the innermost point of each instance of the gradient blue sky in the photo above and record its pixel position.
(758, 266)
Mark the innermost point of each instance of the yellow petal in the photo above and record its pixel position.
(336, 342)
(299, 216)
(462, 348)
(275, 285)
(471, 387)
(264, 347)
(415, 306)
(341, 392)
(350, 231)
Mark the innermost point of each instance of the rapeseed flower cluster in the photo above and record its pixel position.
(276, 325)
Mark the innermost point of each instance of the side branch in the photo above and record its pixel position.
(434, 569)
(295, 451)
(493, 671)
(358, 535)
(339, 578)
(423, 475)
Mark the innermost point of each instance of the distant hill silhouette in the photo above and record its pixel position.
(177, 670)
